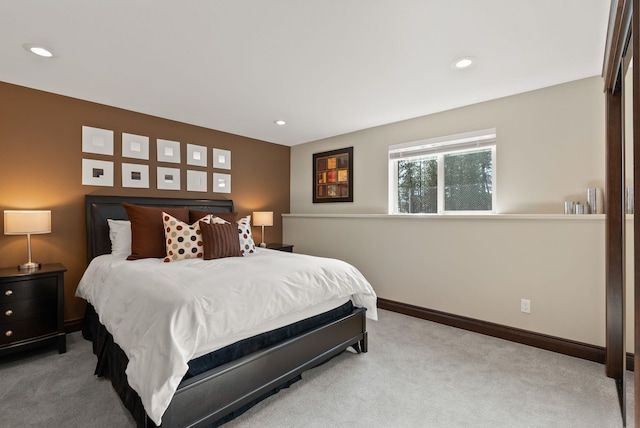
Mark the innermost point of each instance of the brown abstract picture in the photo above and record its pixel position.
(333, 176)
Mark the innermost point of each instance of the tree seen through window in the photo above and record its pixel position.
(467, 181)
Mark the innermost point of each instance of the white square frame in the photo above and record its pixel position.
(221, 159)
(221, 183)
(97, 173)
(96, 140)
(196, 181)
(168, 151)
(135, 175)
(196, 155)
(164, 183)
(135, 146)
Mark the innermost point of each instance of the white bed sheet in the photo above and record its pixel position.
(164, 314)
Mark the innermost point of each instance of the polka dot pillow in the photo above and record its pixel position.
(183, 241)
(247, 246)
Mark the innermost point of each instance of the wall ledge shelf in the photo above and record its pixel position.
(439, 217)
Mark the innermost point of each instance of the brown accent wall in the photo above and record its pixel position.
(41, 168)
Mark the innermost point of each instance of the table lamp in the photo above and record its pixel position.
(263, 218)
(27, 223)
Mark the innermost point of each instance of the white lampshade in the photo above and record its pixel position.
(27, 222)
(263, 218)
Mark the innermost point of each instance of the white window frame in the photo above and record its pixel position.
(439, 147)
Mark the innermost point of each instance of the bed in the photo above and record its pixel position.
(219, 385)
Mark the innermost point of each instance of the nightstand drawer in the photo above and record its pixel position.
(26, 329)
(28, 289)
(25, 309)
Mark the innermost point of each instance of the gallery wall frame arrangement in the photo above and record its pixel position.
(333, 176)
(98, 172)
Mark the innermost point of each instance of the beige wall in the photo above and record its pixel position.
(41, 168)
(475, 267)
(550, 148)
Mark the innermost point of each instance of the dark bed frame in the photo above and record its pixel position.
(208, 397)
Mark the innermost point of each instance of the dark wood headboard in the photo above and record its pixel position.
(100, 208)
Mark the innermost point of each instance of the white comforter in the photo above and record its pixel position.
(164, 314)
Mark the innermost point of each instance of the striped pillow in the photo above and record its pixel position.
(247, 246)
(220, 240)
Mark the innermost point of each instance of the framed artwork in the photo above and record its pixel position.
(134, 175)
(333, 176)
(196, 181)
(196, 155)
(221, 159)
(221, 183)
(135, 146)
(168, 178)
(168, 151)
(96, 140)
(97, 173)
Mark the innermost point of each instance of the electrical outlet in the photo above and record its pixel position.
(525, 306)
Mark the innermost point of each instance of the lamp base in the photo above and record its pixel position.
(263, 245)
(29, 266)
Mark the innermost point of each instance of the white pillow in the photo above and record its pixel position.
(120, 236)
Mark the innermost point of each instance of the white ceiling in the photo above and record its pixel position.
(327, 67)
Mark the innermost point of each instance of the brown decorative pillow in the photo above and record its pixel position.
(247, 246)
(220, 240)
(195, 215)
(147, 229)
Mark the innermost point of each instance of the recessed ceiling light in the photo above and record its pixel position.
(462, 62)
(38, 50)
(280, 122)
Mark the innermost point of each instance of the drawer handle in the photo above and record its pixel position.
(8, 292)
(8, 333)
(8, 312)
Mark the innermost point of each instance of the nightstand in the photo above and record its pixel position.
(31, 308)
(281, 247)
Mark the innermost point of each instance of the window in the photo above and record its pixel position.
(444, 175)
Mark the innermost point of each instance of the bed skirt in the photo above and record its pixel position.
(112, 361)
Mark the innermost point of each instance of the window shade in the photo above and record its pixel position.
(432, 146)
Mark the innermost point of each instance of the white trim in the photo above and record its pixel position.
(440, 199)
(393, 193)
(479, 217)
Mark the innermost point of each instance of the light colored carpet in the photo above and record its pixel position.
(416, 374)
